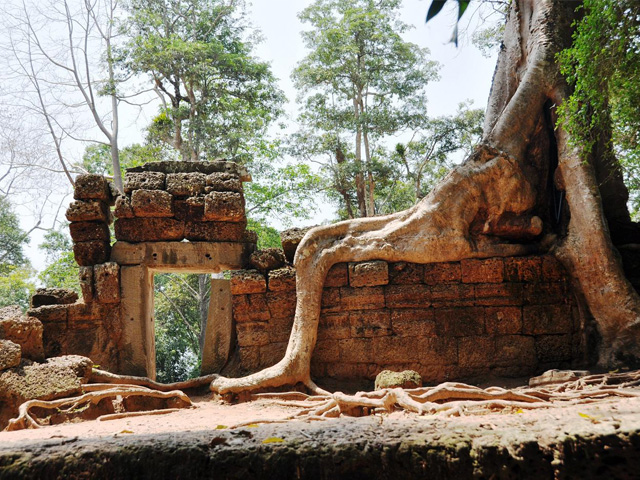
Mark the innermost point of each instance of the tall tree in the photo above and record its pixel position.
(500, 201)
(217, 99)
(361, 82)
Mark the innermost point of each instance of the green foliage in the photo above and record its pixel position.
(268, 237)
(12, 237)
(62, 270)
(97, 157)
(361, 82)
(178, 325)
(198, 55)
(436, 7)
(16, 286)
(603, 66)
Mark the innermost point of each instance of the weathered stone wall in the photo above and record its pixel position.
(507, 317)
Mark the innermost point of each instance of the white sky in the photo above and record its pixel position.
(464, 73)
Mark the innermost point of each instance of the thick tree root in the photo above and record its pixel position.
(103, 376)
(81, 406)
(456, 399)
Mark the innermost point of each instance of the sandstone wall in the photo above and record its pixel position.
(508, 317)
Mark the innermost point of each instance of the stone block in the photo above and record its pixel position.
(143, 181)
(552, 269)
(250, 308)
(337, 276)
(489, 270)
(10, 354)
(282, 280)
(85, 275)
(281, 304)
(149, 230)
(123, 208)
(495, 294)
(326, 351)
(392, 350)
(191, 209)
(252, 334)
(272, 353)
(403, 273)
(553, 348)
(517, 350)
(223, 182)
(547, 319)
(84, 314)
(107, 282)
(224, 207)
(185, 184)
(91, 187)
(91, 253)
(331, 300)
(476, 351)
(53, 296)
(460, 322)
(50, 313)
(407, 296)
(368, 274)
(215, 231)
(152, 203)
(26, 331)
(437, 351)
(334, 326)
(267, 259)
(363, 298)
(546, 293)
(280, 328)
(247, 281)
(503, 320)
(88, 211)
(523, 269)
(250, 358)
(89, 231)
(370, 323)
(452, 295)
(290, 240)
(355, 350)
(404, 379)
(413, 322)
(439, 273)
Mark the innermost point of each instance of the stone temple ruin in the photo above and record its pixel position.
(507, 317)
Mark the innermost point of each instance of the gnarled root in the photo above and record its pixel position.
(113, 378)
(456, 399)
(82, 406)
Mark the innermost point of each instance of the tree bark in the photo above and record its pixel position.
(496, 204)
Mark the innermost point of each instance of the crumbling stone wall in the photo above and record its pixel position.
(507, 317)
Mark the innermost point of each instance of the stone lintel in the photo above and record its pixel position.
(185, 257)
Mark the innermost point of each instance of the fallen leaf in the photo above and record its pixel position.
(126, 431)
(273, 440)
(253, 425)
(221, 427)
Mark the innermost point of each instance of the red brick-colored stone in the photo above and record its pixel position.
(331, 300)
(337, 276)
(91, 253)
(247, 281)
(123, 208)
(459, 322)
(368, 274)
(152, 203)
(215, 231)
(191, 209)
(253, 334)
(334, 326)
(224, 207)
(250, 308)
(356, 350)
(91, 187)
(547, 319)
(413, 322)
(363, 298)
(515, 350)
(438, 273)
(50, 313)
(107, 282)
(546, 293)
(403, 273)
(523, 269)
(370, 323)
(88, 211)
(53, 296)
(223, 182)
(272, 353)
(452, 295)
(494, 294)
(25, 331)
(490, 270)
(388, 351)
(250, 358)
(149, 229)
(143, 181)
(88, 231)
(281, 304)
(85, 276)
(437, 351)
(503, 320)
(185, 184)
(408, 296)
(476, 351)
(552, 269)
(282, 280)
(553, 348)
(326, 351)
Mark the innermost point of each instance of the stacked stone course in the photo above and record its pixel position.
(497, 316)
(174, 201)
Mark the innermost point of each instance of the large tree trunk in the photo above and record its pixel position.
(498, 203)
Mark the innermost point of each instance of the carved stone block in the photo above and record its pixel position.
(91, 253)
(91, 187)
(215, 231)
(88, 211)
(224, 206)
(152, 203)
(107, 282)
(223, 182)
(368, 274)
(88, 231)
(149, 229)
(143, 181)
(185, 184)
